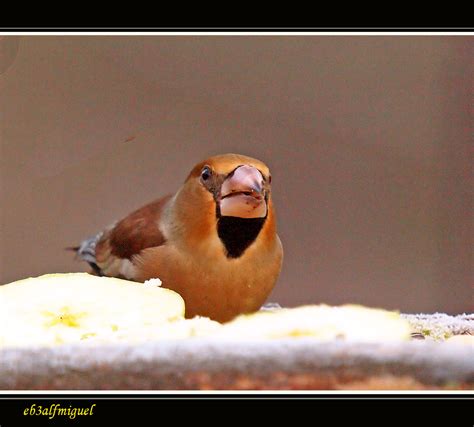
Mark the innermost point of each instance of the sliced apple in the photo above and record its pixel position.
(321, 322)
(63, 308)
(172, 330)
(461, 339)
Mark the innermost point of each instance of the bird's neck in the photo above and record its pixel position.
(237, 234)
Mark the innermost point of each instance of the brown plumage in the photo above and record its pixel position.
(214, 241)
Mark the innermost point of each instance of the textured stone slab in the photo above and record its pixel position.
(210, 364)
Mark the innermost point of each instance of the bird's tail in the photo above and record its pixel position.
(86, 252)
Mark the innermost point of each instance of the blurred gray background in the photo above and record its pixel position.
(368, 139)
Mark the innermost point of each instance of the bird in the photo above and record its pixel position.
(214, 241)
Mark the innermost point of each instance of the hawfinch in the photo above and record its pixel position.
(214, 241)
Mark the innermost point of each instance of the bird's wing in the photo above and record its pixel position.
(117, 245)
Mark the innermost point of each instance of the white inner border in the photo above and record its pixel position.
(238, 33)
(295, 33)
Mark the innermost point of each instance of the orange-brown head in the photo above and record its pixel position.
(228, 194)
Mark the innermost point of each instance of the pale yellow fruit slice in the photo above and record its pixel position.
(63, 308)
(172, 330)
(461, 339)
(321, 322)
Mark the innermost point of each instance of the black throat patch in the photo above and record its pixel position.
(237, 234)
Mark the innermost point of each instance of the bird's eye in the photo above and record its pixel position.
(269, 179)
(206, 173)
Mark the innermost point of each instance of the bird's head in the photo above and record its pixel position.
(229, 193)
(234, 185)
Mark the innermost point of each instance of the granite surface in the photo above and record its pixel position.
(195, 364)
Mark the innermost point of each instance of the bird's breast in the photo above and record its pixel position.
(212, 283)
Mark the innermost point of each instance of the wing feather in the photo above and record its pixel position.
(128, 237)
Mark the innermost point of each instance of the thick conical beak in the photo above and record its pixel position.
(243, 195)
